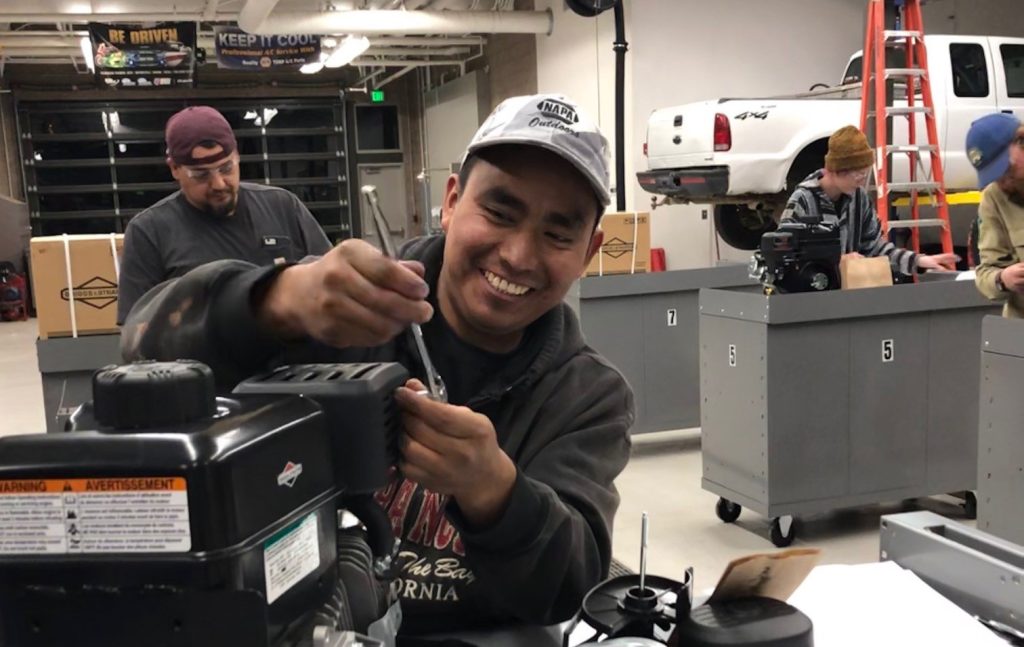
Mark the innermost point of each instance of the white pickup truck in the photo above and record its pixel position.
(745, 156)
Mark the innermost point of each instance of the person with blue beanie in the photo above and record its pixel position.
(995, 147)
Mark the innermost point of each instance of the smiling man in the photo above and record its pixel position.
(505, 500)
(213, 216)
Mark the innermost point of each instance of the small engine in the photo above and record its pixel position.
(798, 257)
(169, 516)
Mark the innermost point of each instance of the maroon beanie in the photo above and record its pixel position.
(198, 126)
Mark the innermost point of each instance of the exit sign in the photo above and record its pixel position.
(377, 96)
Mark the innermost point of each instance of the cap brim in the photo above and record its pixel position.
(602, 192)
(994, 169)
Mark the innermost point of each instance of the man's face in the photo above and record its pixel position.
(849, 181)
(518, 234)
(211, 188)
(1016, 170)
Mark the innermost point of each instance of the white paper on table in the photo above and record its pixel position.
(965, 276)
(882, 605)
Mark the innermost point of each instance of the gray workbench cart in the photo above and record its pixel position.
(812, 402)
(646, 325)
(66, 365)
(1001, 430)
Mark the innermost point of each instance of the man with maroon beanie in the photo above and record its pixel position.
(213, 216)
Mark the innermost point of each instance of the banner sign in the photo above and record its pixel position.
(132, 56)
(237, 50)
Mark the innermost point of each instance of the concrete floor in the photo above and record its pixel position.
(662, 478)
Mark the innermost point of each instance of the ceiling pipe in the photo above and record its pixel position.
(170, 16)
(211, 10)
(400, 73)
(256, 18)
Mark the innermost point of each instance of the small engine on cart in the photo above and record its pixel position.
(169, 516)
(798, 257)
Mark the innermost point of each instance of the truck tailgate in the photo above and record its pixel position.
(681, 135)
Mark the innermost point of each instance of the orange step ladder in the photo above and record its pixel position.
(874, 113)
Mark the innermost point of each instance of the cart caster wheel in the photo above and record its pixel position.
(727, 511)
(970, 505)
(782, 532)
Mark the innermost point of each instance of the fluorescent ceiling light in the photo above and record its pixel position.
(311, 68)
(351, 47)
(316, 66)
(87, 54)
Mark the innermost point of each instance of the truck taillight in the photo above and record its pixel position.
(645, 149)
(723, 133)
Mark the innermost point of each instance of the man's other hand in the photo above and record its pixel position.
(938, 262)
(454, 450)
(351, 296)
(1013, 277)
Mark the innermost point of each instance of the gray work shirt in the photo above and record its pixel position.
(172, 237)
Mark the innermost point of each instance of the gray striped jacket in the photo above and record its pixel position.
(859, 228)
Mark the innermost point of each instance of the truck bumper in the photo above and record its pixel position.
(691, 184)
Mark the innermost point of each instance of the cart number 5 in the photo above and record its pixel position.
(888, 354)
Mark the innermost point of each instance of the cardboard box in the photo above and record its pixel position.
(92, 289)
(627, 245)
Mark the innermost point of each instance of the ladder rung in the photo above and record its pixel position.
(918, 148)
(916, 224)
(897, 111)
(905, 71)
(902, 35)
(905, 187)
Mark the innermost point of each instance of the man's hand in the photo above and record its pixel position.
(1013, 278)
(454, 450)
(352, 296)
(938, 262)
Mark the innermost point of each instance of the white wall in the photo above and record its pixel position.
(450, 117)
(577, 60)
(975, 17)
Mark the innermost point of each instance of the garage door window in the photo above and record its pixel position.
(1013, 66)
(970, 71)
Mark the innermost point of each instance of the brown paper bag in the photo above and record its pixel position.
(769, 575)
(865, 272)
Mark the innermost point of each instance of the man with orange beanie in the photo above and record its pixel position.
(837, 194)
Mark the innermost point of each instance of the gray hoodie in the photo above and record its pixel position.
(563, 416)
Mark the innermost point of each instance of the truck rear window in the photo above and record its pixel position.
(893, 58)
(1013, 66)
(970, 70)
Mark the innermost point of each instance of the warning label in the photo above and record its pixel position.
(124, 515)
(291, 555)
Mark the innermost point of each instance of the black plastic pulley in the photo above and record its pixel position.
(619, 607)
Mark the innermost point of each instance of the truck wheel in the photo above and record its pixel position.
(742, 227)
